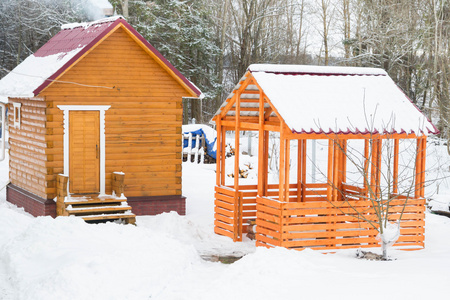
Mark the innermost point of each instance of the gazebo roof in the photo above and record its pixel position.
(63, 50)
(340, 100)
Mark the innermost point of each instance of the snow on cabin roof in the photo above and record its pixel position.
(313, 99)
(89, 24)
(40, 69)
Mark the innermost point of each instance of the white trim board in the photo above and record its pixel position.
(102, 109)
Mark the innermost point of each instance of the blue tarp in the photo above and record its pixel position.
(209, 144)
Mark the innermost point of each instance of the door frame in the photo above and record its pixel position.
(100, 108)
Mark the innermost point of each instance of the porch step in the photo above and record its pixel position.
(98, 209)
(92, 200)
(94, 209)
(110, 217)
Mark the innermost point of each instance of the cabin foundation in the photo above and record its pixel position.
(32, 204)
(157, 204)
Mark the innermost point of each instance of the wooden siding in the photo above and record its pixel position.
(143, 125)
(28, 157)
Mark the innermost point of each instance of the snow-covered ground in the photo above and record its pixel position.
(162, 257)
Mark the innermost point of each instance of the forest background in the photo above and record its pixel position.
(212, 42)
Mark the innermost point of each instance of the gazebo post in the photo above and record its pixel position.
(375, 168)
(287, 167)
(336, 164)
(299, 169)
(330, 169)
(343, 166)
(219, 153)
(395, 171)
(261, 150)
(237, 198)
(420, 168)
(222, 162)
(266, 161)
(366, 165)
(304, 169)
(424, 157)
(281, 184)
(379, 143)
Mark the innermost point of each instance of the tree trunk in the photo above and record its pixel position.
(125, 8)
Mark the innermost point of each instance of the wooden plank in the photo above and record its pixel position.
(223, 232)
(222, 225)
(109, 217)
(265, 239)
(267, 232)
(225, 190)
(223, 218)
(221, 211)
(268, 217)
(263, 223)
(265, 202)
(224, 205)
(337, 226)
(224, 198)
(328, 242)
(103, 209)
(361, 233)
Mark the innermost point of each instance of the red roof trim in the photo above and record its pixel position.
(317, 74)
(97, 39)
(357, 131)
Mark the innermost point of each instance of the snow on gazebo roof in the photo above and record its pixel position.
(40, 69)
(318, 99)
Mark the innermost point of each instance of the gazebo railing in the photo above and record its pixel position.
(333, 225)
(315, 223)
(233, 209)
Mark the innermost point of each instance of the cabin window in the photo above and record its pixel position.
(17, 116)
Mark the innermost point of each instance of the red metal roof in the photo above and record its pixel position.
(86, 36)
(70, 39)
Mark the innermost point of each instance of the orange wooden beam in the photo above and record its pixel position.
(303, 177)
(261, 155)
(424, 158)
(287, 168)
(237, 131)
(330, 170)
(223, 145)
(299, 170)
(219, 150)
(366, 163)
(281, 166)
(395, 171)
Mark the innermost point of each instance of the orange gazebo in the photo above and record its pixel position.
(337, 105)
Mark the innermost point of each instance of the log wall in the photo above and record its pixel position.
(142, 127)
(28, 156)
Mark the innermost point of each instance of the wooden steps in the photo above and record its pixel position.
(94, 208)
(99, 209)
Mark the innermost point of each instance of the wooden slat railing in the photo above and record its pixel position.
(334, 225)
(229, 219)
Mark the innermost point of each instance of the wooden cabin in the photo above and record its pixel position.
(96, 104)
(341, 108)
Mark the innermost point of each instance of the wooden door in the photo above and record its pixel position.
(84, 152)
